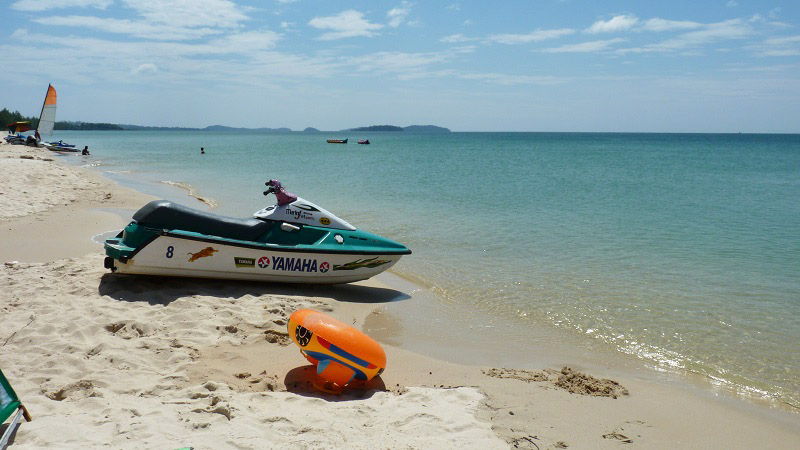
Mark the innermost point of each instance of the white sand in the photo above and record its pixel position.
(104, 360)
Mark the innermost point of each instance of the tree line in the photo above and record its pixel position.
(7, 117)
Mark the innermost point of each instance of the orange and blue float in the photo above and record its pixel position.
(340, 352)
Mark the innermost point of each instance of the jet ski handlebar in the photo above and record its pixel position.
(275, 187)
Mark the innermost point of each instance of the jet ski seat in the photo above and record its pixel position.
(172, 216)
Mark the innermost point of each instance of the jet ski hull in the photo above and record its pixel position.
(177, 256)
(173, 240)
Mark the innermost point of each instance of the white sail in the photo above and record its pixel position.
(47, 119)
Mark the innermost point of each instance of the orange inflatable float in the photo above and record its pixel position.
(339, 351)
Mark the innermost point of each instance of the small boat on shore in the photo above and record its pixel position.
(16, 139)
(363, 141)
(47, 117)
(293, 241)
(337, 141)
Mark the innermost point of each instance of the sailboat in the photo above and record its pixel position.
(47, 121)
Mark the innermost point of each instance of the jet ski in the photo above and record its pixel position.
(61, 146)
(292, 241)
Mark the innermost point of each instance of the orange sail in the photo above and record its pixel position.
(47, 119)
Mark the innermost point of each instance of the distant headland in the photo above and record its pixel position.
(411, 128)
(7, 117)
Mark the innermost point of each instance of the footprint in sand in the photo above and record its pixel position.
(277, 337)
(75, 391)
(620, 437)
(129, 330)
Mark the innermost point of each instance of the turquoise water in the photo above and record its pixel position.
(680, 249)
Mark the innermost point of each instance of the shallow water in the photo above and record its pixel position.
(680, 249)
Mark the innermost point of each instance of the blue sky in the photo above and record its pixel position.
(536, 65)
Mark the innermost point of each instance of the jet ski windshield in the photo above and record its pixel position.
(294, 209)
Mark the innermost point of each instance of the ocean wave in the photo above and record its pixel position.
(192, 192)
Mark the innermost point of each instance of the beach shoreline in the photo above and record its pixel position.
(201, 386)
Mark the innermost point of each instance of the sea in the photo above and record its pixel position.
(681, 251)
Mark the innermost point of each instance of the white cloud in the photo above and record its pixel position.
(704, 34)
(44, 5)
(397, 62)
(784, 40)
(729, 29)
(100, 60)
(585, 47)
(251, 41)
(458, 37)
(533, 36)
(346, 24)
(509, 80)
(398, 15)
(657, 24)
(161, 19)
(782, 52)
(151, 30)
(732, 4)
(779, 46)
(247, 43)
(190, 13)
(147, 68)
(614, 24)
(464, 49)
(777, 68)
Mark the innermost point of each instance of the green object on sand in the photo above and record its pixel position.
(9, 404)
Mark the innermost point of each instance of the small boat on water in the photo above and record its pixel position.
(337, 141)
(363, 141)
(293, 241)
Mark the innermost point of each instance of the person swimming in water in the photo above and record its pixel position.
(202, 151)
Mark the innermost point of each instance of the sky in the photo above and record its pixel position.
(533, 65)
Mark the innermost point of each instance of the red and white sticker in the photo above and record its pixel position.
(263, 262)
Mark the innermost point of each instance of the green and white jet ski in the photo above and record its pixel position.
(293, 241)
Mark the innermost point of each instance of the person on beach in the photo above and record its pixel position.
(202, 151)
(85, 150)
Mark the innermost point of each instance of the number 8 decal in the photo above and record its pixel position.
(170, 249)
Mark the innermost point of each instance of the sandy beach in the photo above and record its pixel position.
(104, 360)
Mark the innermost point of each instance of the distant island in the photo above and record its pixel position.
(378, 128)
(410, 128)
(224, 128)
(208, 128)
(426, 129)
(7, 117)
